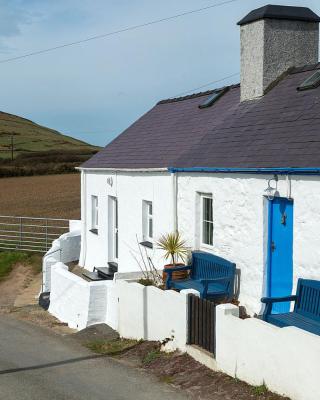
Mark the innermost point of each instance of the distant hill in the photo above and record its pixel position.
(37, 149)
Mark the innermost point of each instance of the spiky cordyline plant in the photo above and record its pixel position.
(174, 246)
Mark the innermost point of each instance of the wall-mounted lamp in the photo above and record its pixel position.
(272, 191)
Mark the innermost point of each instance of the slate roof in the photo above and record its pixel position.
(281, 12)
(281, 129)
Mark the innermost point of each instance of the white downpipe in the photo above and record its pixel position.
(288, 179)
(174, 177)
(83, 218)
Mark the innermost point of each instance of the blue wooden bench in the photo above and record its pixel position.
(210, 275)
(306, 312)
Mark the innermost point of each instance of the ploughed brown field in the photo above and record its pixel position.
(51, 196)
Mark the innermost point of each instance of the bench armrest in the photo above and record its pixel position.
(169, 272)
(268, 301)
(205, 283)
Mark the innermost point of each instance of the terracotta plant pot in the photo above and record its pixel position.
(177, 275)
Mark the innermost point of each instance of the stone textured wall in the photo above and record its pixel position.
(252, 60)
(270, 47)
(240, 215)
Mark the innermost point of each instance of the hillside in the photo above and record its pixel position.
(37, 150)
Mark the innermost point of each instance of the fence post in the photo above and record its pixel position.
(47, 235)
(20, 245)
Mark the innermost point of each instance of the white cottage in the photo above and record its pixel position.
(235, 170)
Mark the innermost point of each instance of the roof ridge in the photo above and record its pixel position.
(304, 68)
(195, 95)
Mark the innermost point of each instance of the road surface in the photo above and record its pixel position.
(36, 364)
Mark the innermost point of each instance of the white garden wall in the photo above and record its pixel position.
(75, 301)
(286, 360)
(149, 313)
(136, 311)
(65, 249)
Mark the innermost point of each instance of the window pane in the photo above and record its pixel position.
(150, 208)
(94, 213)
(150, 228)
(207, 209)
(207, 233)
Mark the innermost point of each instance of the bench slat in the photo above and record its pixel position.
(306, 313)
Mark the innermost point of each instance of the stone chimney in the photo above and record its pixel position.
(274, 39)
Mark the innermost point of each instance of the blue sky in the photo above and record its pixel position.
(93, 91)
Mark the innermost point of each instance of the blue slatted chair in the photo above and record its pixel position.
(210, 275)
(306, 312)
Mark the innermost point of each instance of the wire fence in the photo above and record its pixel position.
(30, 233)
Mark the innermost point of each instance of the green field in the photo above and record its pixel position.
(29, 137)
(37, 150)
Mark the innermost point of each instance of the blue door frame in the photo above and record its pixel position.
(280, 249)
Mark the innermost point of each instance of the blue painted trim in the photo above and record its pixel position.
(269, 247)
(275, 171)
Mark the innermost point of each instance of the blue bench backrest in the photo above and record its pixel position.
(308, 303)
(209, 266)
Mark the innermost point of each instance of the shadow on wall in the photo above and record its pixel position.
(237, 279)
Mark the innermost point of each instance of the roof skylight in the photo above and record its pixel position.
(311, 83)
(213, 97)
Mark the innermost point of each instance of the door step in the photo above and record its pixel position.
(93, 276)
(113, 266)
(104, 272)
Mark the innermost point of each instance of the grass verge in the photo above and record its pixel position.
(112, 347)
(9, 258)
(260, 390)
(151, 356)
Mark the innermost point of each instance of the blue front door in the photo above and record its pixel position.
(280, 246)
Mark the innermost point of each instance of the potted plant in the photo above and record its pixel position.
(175, 249)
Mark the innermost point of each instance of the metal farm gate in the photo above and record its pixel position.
(201, 323)
(29, 233)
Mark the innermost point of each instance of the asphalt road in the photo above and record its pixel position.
(37, 364)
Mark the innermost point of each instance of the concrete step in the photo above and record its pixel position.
(93, 276)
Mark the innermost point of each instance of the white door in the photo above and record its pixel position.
(113, 239)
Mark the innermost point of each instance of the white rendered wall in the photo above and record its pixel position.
(240, 230)
(130, 189)
(240, 221)
(286, 360)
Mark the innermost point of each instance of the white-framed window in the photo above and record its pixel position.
(94, 212)
(147, 220)
(206, 220)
